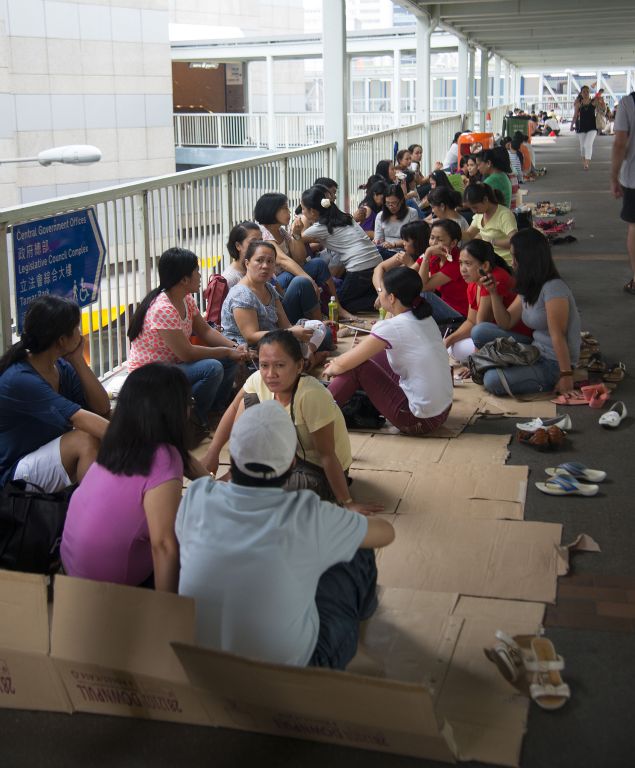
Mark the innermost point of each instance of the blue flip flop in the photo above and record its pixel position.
(577, 470)
(565, 485)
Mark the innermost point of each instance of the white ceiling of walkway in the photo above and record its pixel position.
(543, 33)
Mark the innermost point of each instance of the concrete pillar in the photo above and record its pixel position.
(335, 87)
(505, 81)
(271, 111)
(462, 78)
(471, 72)
(484, 89)
(424, 33)
(497, 80)
(541, 90)
(396, 87)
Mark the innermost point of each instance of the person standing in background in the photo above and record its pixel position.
(623, 174)
(584, 124)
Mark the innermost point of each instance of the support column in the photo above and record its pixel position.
(424, 33)
(505, 81)
(629, 80)
(471, 71)
(271, 111)
(396, 87)
(497, 80)
(462, 78)
(484, 89)
(541, 90)
(335, 87)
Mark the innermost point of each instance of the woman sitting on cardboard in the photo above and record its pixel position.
(324, 449)
(120, 522)
(402, 365)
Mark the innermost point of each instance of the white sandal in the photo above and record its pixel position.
(614, 416)
(543, 667)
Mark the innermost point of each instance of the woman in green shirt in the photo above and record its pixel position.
(494, 165)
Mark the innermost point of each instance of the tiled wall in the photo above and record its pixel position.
(81, 72)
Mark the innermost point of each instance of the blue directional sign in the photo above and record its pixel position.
(62, 255)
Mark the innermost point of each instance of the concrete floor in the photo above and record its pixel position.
(593, 624)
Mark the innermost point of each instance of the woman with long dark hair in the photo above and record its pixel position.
(161, 329)
(394, 214)
(323, 451)
(402, 364)
(492, 221)
(53, 409)
(370, 206)
(584, 122)
(120, 522)
(353, 252)
(477, 259)
(545, 305)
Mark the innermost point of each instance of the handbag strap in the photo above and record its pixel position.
(504, 382)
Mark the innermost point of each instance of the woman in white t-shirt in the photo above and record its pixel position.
(237, 243)
(402, 365)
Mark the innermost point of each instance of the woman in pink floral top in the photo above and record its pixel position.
(161, 328)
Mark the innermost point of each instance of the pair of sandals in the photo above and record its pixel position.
(564, 480)
(532, 665)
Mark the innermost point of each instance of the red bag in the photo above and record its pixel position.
(214, 295)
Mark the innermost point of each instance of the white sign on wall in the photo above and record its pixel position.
(234, 74)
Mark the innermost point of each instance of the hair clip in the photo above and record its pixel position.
(325, 202)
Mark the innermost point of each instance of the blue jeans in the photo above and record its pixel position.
(299, 298)
(485, 332)
(211, 382)
(542, 376)
(441, 312)
(346, 595)
(316, 268)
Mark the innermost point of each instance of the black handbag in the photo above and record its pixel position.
(501, 353)
(31, 527)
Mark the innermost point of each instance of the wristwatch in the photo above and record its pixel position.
(295, 236)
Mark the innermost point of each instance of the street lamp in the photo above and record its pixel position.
(72, 154)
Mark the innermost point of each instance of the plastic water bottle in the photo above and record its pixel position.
(334, 311)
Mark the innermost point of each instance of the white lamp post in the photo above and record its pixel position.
(72, 154)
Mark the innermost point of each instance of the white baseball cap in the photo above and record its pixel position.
(265, 435)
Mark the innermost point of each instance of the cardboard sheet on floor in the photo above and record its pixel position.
(483, 558)
(490, 405)
(380, 487)
(477, 448)
(466, 491)
(396, 452)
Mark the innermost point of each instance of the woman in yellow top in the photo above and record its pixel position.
(324, 450)
(492, 221)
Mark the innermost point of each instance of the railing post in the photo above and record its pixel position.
(6, 337)
(177, 125)
(283, 176)
(142, 236)
(226, 205)
(219, 128)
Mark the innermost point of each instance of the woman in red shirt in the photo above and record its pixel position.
(440, 270)
(477, 260)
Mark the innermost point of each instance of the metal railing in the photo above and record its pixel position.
(138, 221)
(194, 210)
(364, 152)
(292, 129)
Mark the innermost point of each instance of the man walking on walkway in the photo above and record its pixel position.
(623, 174)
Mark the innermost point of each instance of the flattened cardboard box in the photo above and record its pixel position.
(110, 644)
